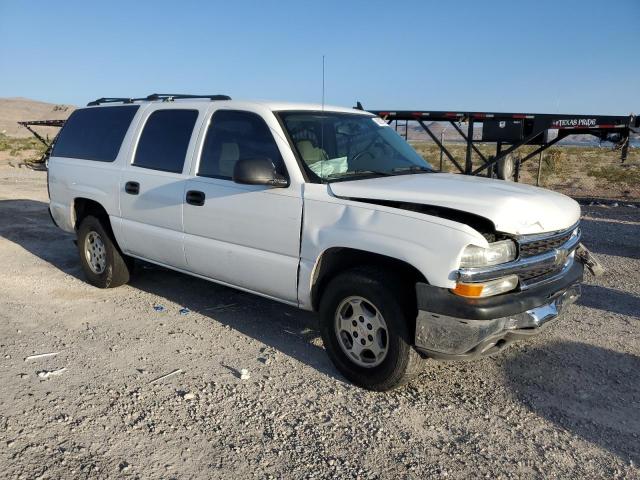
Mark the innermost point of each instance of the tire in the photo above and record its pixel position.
(385, 293)
(506, 168)
(104, 265)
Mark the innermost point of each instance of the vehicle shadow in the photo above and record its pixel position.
(291, 331)
(610, 300)
(27, 223)
(590, 391)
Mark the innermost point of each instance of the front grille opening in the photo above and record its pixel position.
(538, 272)
(544, 245)
(540, 246)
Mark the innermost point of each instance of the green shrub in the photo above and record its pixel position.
(616, 174)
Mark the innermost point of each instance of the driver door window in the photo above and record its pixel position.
(235, 135)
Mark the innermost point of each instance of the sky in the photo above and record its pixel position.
(537, 56)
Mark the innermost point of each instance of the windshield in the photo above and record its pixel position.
(343, 146)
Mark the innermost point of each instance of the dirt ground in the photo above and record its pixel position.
(564, 405)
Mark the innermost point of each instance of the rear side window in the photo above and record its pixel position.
(165, 139)
(94, 133)
(235, 135)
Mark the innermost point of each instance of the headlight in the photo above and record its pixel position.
(497, 252)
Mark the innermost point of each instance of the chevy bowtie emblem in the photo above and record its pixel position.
(561, 256)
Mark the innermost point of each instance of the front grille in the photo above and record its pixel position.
(541, 258)
(538, 272)
(538, 245)
(544, 245)
(540, 275)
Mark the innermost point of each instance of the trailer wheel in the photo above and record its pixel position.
(506, 167)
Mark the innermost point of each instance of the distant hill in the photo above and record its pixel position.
(13, 110)
(442, 130)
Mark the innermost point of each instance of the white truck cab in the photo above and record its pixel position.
(323, 208)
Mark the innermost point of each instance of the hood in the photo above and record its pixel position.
(513, 208)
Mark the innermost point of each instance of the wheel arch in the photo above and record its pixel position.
(83, 207)
(336, 260)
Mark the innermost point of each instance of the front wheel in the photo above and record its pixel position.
(365, 319)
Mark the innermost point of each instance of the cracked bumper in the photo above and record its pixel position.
(453, 327)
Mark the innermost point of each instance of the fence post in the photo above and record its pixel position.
(539, 170)
(441, 135)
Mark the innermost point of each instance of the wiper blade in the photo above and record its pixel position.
(359, 172)
(412, 169)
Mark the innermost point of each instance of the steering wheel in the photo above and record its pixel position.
(362, 153)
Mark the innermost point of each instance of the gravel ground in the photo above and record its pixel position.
(566, 404)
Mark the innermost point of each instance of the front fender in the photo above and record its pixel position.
(432, 245)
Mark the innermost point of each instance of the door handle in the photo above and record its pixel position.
(132, 188)
(194, 197)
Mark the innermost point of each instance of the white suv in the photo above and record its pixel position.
(323, 208)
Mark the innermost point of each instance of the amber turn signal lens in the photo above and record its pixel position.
(468, 289)
(486, 289)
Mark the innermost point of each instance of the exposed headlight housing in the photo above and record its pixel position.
(496, 253)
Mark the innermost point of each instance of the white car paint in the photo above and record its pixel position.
(245, 235)
(70, 179)
(152, 221)
(513, 208)
(270, 241)
(420, 240)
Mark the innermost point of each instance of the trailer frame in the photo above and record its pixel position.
(541, 129)
(48, 143)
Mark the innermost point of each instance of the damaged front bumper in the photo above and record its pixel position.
(452, 327)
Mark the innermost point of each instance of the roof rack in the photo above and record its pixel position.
(165, 97)
(109, 100)
(168, 97)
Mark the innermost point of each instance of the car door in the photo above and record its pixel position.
(152, 185)
(247, 236)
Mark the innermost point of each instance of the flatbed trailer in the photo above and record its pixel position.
(45, 141)
(510, 131)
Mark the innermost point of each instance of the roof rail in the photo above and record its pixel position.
(168, 97)
(165, 97)
(110, 100)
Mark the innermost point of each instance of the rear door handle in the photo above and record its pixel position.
(132, 188)
(194, 197)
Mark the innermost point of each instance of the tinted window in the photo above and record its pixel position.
(94, 133)
(234, 135)
(165, 139)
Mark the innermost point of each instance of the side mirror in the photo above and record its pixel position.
(258, 171)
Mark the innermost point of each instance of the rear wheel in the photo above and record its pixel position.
(365, 318)
(104, 265)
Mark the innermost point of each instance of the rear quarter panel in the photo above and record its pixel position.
(72, 178)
